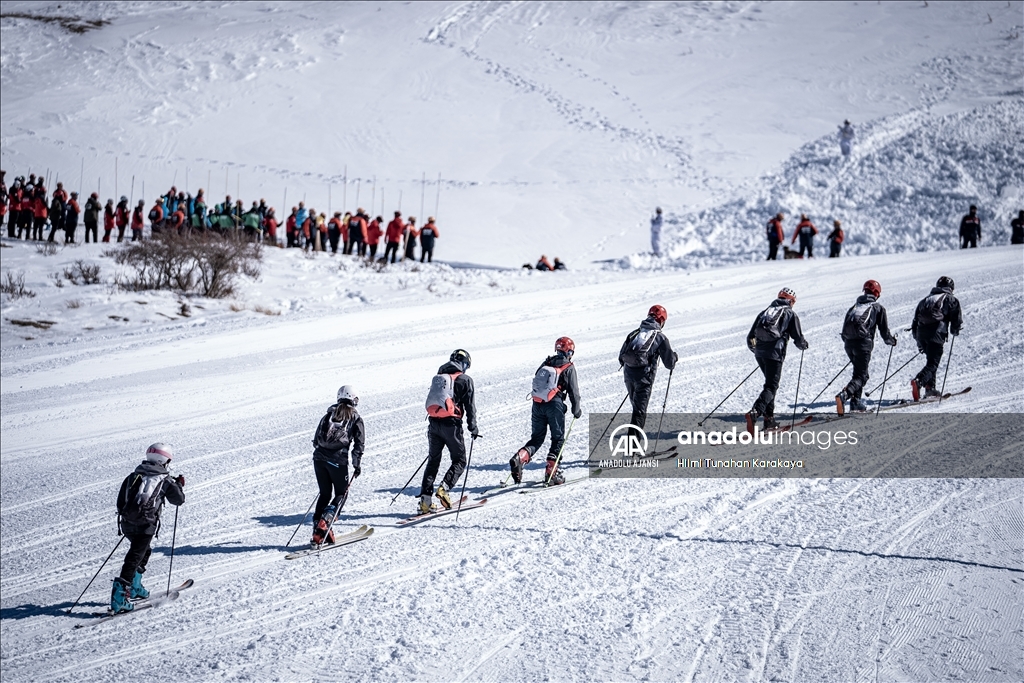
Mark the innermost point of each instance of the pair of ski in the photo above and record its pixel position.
(461, 506)
(898, 405)
(341, 540)
(139, 606)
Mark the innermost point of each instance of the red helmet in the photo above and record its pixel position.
(787, 293)
(658, 313)
(564, 345)
(873, 288)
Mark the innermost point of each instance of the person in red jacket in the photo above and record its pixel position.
(270, 222)
(393, 235)
(835, 240)
(775, 236)
(373, 236)
(178, 219)
(156, 216)
(71, 212)
(61, 194)
(428, 234)
(138, 223)
(3, 202)
(291, 228)
(108, 220)
(121, 217)
(356, 233)
(806, 231)
(411, 233)
(39, 212)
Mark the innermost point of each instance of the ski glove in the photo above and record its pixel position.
(356, 471)
(181, 480)
(804, 346)
(891, 341)
(474, 432)
(577, 412)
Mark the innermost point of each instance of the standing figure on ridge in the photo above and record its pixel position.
(806, 231)
(970, 229)
(775, 236)
(656, 232)
(846, 135)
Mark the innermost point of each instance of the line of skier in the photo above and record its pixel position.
(340, 435)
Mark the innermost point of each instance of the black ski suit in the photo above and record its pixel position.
(770, 351)
(639, 373)
(336, 433)
(970, 231)
(936, 316)
(859, 326)
(552, 413)
(447, 431)
(152, 484)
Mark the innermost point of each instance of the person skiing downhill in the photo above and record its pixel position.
(656, 222)
(340, 429)
(846, 135)
(553, 381)
(937, 315)
(773, 231)
(639, 357)
(858, 335)
(450, 397)
(768, 339)
(139, 503)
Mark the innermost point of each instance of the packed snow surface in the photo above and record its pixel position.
(556, 129)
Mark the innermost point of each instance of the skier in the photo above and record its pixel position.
(775, 236)
(768, 339)
(108, 220)
(552, 382)
(411, 233)
(970, 229)
(56, 214)
(340, 429)
(39, 212)
(656, 232)
(937, 315)
(137, 222)
(4, 201)
(373, 236)
(806, 231)
(334, 231)
(450, 397)
(356, 234)
(835, 240)
(270, 223)
(1017, 229)
(156, 217)
(428, 234)
(92, 217)
(71, 219)
(859, 338)
(638, 359)
(846, 136)
(393, 236)
(121, 217)
(139, 503)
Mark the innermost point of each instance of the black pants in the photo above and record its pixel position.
(373, 251)
(543, 416)
(25, 225)
(361, 248)
(137, 557)
(37, 229)
(410, 250)
(834, 249)
(120, 233)
(12, 223)
(773, 250)
(69, 234)
(334, 236)
(443, 433)
(332, 479)
(968, 241)
(53, 231)
(136, 234)
(391, 248)
(933, 354)
(765, 403)
(639, 396)
(807, 243)
(859, 354)
(91, 228)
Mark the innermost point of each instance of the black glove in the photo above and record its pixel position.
(891, 341)
(577, 412)
(474, 432)
(181, 480)
(356, 471)
(803, 346)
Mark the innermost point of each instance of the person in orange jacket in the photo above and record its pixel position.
(428, 234)
(806, 231)
(775, 236)
(308, 230)
(121, 217)
(138, 222)
(321, 226)
(411, 233)
(270, 222)
(156, 216)
(178, 219)
(39, 212)
(71, 213)
(393, 235)
(291, 228)
(61, 194)
(373, 236)
(108, 220)
(356, 233)
(835, 240)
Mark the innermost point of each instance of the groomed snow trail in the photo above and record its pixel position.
(606, 580)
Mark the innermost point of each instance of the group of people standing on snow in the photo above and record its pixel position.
(340, 436)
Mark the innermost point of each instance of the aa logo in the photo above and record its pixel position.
(628, 441)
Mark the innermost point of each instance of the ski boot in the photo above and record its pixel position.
(138, 591)
(442, 495)
(841, 398)
(915, 389)
(552, 476)
(322, 525)
(329, 539)
(425, 506)
(751, 420)
(930, 392)
(858, 405)
(521, 457)
(119, 597)
(770, 423)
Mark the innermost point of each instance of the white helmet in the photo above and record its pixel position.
(347, 395)
(159, 453)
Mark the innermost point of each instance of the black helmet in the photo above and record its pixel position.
(945, 282)
(461, 356)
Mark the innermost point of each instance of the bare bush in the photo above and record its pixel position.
(73, 303)
(47, 248)
(82, 273)
(57, 280)
(207, 266)
(13, 285)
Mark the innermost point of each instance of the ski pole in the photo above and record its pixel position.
(796, 400)
(469, 461)
(410, 480)
(341, 504)
(895, 372)
(833, 380)
(558, 458)
(617, 411)
(664, 403)
(883, 380)
(301, 521)
(119, 541)
(948, 358)
(174, 535)
(701, 423)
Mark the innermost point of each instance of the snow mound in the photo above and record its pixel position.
(905, 187)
